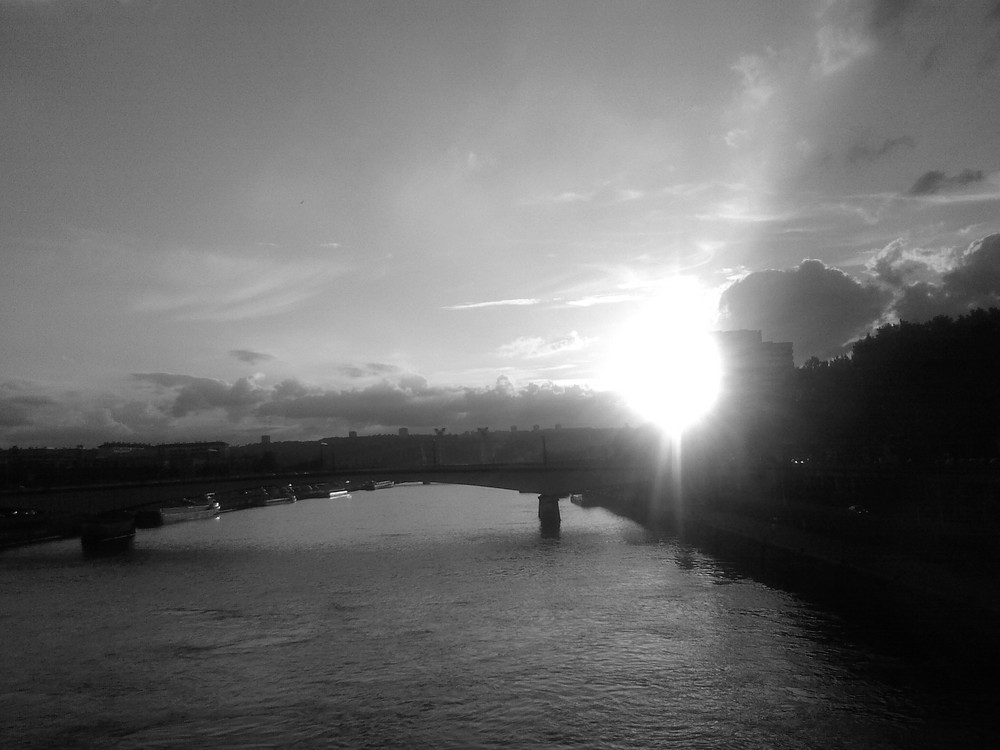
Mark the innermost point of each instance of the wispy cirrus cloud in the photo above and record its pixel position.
(556, 199)
(369, 370)
(495, 303)
(535, 347)
(601, 299)
(190, 285)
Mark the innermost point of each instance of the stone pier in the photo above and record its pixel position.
(548, 512)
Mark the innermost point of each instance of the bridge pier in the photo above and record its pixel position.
(548, 511)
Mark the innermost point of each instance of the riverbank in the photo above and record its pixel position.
(935, 589)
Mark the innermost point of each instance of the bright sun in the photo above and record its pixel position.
(664, 362)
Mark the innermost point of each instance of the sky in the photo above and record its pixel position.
(221, 220)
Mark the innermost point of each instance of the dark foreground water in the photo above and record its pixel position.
(438, 616)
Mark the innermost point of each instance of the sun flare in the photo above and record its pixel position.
(665, 363)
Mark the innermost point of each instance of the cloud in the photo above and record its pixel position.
(818, 308)
(18, 401)
(412, 402)
(530, 347)
(601, 299)
(758, 85)
(898, 264)
(842, 36)
(973, 281)
(218, 286)
(862, 152)
(32, 414)
(853, 29)
(171, 407)
(250, 357)
(935, 181)
(567, 196)
(495, 303)
(371, 369)
(192, 394)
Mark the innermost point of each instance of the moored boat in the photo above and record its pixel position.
(108, 531)
(275, 495)
(189, 509)
(381, 485)
(321, 490)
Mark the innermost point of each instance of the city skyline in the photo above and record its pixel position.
(224, 220)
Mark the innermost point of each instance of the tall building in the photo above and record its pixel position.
(754, 369)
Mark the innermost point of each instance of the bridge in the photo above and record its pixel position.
(549, 481)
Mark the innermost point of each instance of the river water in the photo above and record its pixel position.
(439, 616)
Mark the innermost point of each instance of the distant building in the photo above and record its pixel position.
(754, 368)
(105, 450)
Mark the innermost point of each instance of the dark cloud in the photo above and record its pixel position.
(412, 402)
(973, 282)
(186, 407)
(36, 415)
(18, 401)
(862, 152)
(819, 309)
(250, 357)
(193, 394)
(935, 181)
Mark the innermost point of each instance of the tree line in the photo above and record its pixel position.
(912, 392)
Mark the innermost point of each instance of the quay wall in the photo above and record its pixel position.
(928, 584)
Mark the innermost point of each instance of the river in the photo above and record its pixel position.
(440, 617)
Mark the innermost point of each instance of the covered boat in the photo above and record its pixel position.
(109, 531)
(191, 510)
(275, 495)
(188, 509)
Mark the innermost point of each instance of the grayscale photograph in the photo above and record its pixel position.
(458, 374)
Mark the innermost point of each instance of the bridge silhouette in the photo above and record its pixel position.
(549, 481)
(552, 479)
(604, 483)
